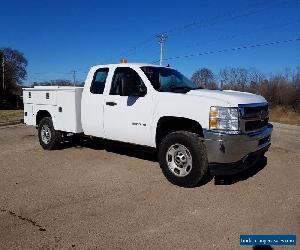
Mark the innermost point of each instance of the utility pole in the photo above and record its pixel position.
(3, 77)
(74, 77)
(161, 40)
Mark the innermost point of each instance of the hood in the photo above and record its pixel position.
(231, 97)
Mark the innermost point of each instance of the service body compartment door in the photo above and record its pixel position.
(68, 111)
(29, 118)
(40, 95)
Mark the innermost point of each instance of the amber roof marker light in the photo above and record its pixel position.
(123, 60)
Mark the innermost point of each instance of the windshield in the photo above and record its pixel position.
(168, 80)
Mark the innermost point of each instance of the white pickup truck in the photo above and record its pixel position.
(196, 131)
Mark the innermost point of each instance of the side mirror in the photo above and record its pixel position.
(142, 90)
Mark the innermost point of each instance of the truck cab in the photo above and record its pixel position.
(196, 131)
(117, 104)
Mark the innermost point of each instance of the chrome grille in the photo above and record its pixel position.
(253, 117)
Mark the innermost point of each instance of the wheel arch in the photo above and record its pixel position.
(42, 114)
(168, 124)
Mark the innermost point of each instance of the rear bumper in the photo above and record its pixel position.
(234, 149)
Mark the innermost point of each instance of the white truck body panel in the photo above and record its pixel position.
(86, 112)
(230, 97)
(92, 107)
(62, 103)
(130, 120)
(135, 118)
(116, 123)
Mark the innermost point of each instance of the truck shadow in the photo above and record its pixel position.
(136, 151)
(140, 152)
(150, 154)
(253, 170)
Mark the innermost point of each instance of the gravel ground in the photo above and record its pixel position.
(113, 196)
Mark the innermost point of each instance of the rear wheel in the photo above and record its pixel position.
(183, 158)
(49, 138)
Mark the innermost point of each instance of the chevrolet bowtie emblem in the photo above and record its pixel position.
(263, 115)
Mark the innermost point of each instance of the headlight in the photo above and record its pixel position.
(221, 118)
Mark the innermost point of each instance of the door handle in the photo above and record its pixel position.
(111, 103)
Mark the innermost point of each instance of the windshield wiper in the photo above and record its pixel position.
(173, 88)
(197, 88)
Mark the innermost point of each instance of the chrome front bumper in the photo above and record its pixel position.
(231, 148)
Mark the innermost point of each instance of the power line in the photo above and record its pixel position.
(132, 50)
(213, 19)
(228, 16)
(230, 36)
(46, 76)
(233, 49)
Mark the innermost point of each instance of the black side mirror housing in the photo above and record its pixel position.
(143, 90)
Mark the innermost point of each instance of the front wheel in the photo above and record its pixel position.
(49, 138)
(183, 159)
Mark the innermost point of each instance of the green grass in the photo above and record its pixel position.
(9, 117)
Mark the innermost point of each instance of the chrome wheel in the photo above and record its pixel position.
(46, 134)
(179, 160)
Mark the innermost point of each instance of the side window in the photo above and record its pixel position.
(126, 81)
(98, 83)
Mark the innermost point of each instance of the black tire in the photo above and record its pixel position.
(197, 150)
(54, 138)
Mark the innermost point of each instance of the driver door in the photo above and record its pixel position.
(127, 115)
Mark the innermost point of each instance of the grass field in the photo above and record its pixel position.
(277, 114)
(284, 115)
(9, 117)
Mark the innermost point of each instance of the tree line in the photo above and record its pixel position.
(281, 89)
(58, 82)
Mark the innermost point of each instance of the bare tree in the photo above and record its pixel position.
(234, 78)
(14, 69)
(204, 77)
(279, 89)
